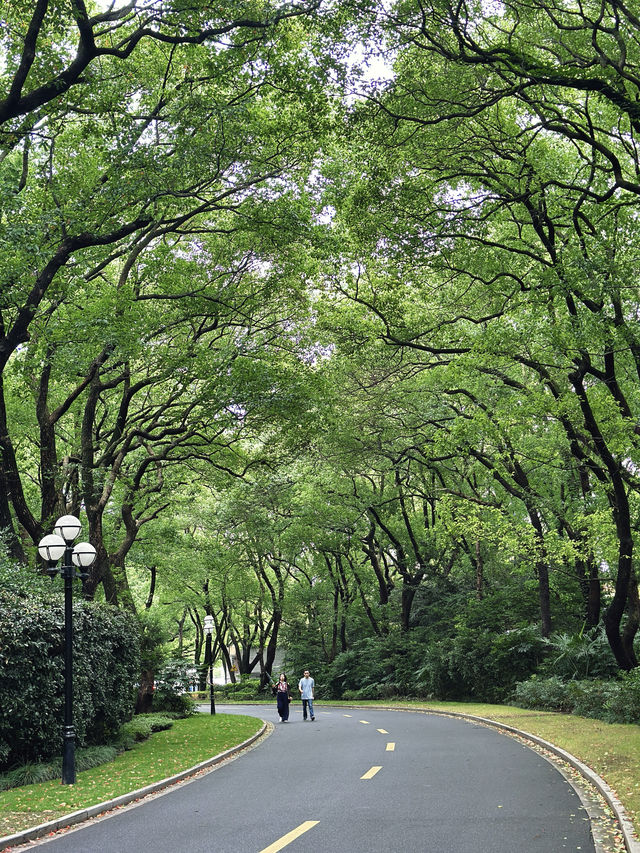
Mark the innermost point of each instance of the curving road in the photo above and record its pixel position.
(367, 781)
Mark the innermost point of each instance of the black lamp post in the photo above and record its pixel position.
(208, 630)
(52, 548)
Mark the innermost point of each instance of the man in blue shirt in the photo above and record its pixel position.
(306, 687)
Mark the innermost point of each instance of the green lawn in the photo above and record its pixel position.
(613, 751)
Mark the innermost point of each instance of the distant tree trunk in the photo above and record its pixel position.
(590, 587)
(152, 586)
(633, 620)
(16, 551)
(542, 572)
(144, 699)
(272, 645)
(479, 572)
(408, 594)
(370, 549)
(377, 630)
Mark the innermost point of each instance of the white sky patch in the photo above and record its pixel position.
(493, 8)
(376, 66)
(326, 215)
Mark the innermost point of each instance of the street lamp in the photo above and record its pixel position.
(51, 548)
(208, 630)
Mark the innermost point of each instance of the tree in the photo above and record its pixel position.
(497, 184)
(131, 179)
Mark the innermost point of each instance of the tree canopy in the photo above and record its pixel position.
(326, 317)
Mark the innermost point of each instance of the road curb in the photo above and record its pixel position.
(82, 815)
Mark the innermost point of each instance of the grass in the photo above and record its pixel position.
(612, 751)
(187, 743)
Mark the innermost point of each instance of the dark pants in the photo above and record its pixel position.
(307, 703)
(283, 705)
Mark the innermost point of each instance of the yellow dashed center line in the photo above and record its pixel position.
(371, 773)
(383, 731)
(290, 836)
(391, 746)
(365, 722)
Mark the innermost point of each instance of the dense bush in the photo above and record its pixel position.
(141, 727)
(543, 694)
(171, 692)
(615, 700)
(106, 667)
(373, 668)
(479, 664)
(474, 664)
(246, 688)
(586, 654)
(623, 705)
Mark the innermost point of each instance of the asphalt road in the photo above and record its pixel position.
(368, 781)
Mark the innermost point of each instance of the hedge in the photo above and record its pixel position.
(614, 700)
(106, 668)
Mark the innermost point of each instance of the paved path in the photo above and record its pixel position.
(361, 781)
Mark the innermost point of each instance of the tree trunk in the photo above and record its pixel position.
(408, 594)
(16, 551)
(590, 588)
(144, 699)
(615, 611)
(633, 620)
(542, 572)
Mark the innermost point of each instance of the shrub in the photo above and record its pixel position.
(249, 686)
(588, 697)
(543, 694)
(614, 700)
(478, 664)
(171, 690)
(487, 665)
(137, 729)
(246, 688)
(242, 695)
(586, 654)
(623, 705)
(30, 774)
(179, 704)
(350, 695)
(94, 756)
(435, 679)
(365, 670)
(32, 670)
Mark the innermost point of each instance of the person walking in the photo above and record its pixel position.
(306, 686)
(283, 697)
